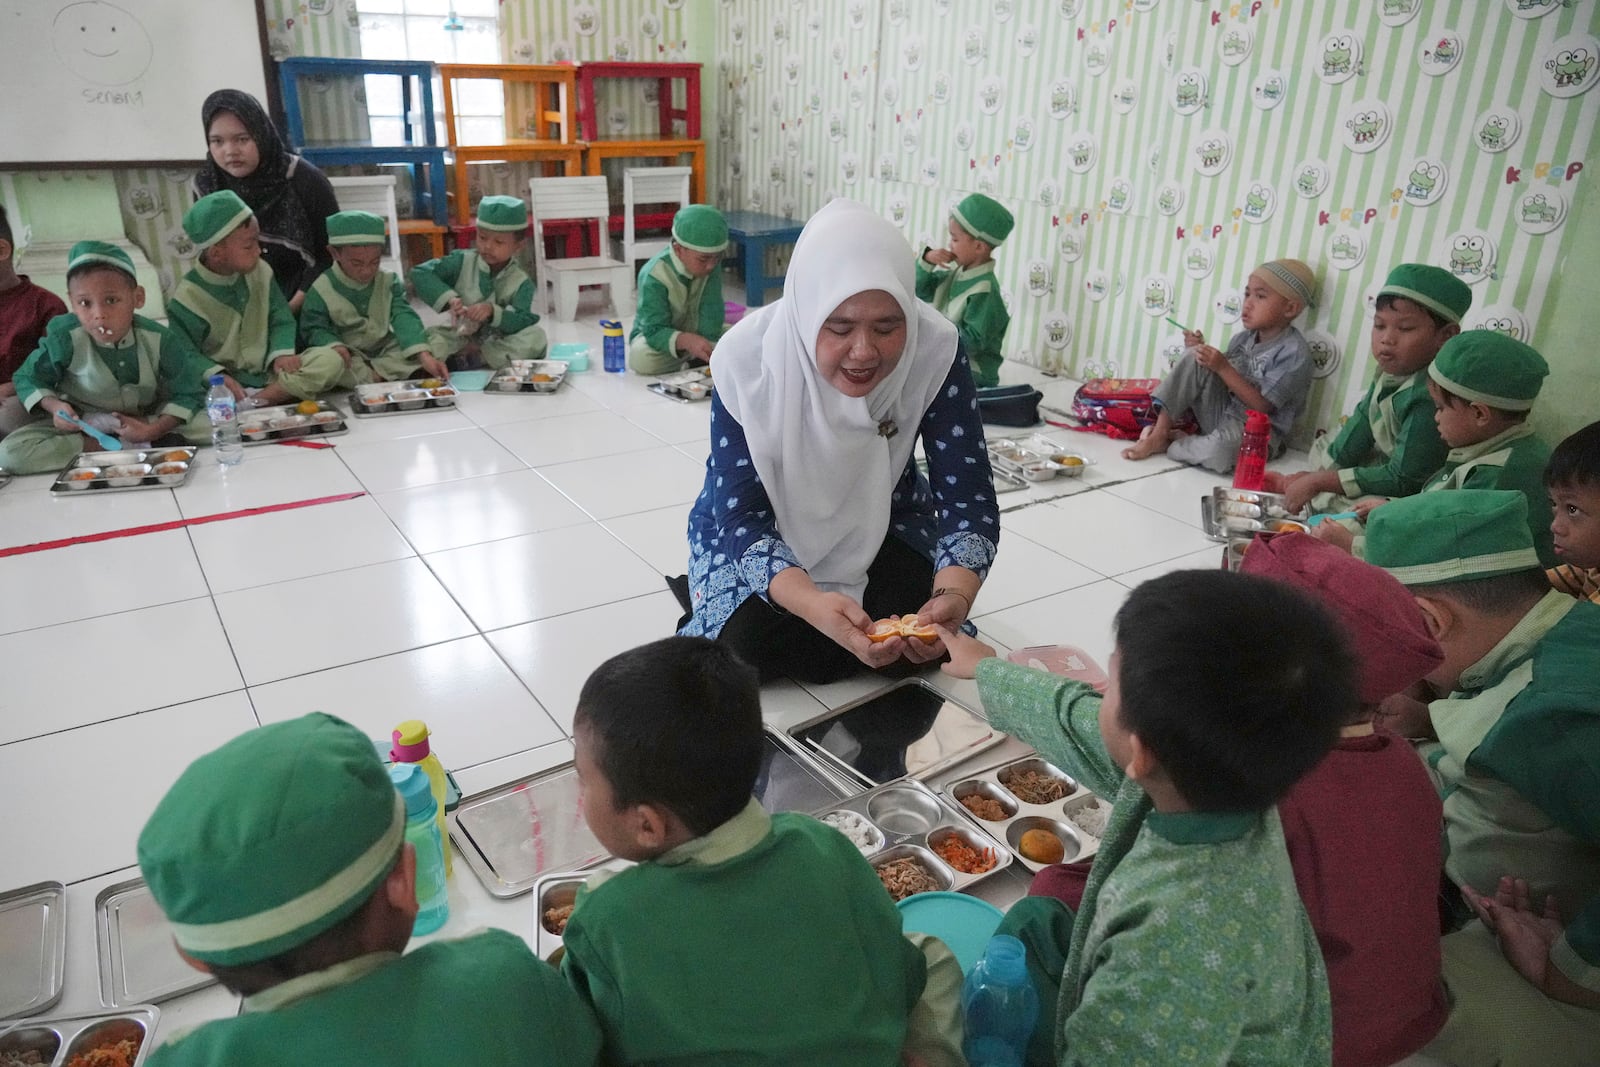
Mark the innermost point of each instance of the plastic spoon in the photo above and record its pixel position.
(105, 440)
(1315, 519)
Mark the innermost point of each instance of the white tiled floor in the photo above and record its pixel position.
(497, 555)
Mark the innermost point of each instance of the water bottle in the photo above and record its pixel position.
(616, 346)
(422, 831)
(1250, 471)
(999, 1006)
(224, 423)
(411, 746)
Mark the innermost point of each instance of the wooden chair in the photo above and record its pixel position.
(586, 200)
(374, 194)
(648, 186)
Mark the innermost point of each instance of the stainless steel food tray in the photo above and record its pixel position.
(686, 386)
(1227, 512)
(953, 733)
(311, 429)
(1055, 816)
(517, 378)
(62, 487)
(362, 408)
(557, 890)
(138, 962)
(33, 948)
(1035, 458)
(1004, 481)
(59, 1039)
(512, 834)
(910, 818)
(792, 779)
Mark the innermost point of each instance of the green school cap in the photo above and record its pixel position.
(1453, 535)
(984, 218)
(356, 228)
(214, 216)
(102, 253)
(700, 228)
(503, 213)
(1487, 367)
(1433, 287)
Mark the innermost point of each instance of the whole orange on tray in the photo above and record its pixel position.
(308, 407)
(905, 626)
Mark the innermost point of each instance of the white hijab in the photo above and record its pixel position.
(826, 467)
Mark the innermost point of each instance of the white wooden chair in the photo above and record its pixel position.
(585, 200)
(645, 186)
(374, 194)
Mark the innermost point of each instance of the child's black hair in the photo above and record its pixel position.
(1237, 685)
(1575, 461)
(1456, 400)
(676, 724)
(1386, 301)
(5, 228)
(1498, 595)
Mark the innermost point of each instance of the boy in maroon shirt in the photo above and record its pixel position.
(25, 308)
(1364, 826)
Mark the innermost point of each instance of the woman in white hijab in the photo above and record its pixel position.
(814, 520)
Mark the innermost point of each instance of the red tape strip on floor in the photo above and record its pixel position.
(176, 524)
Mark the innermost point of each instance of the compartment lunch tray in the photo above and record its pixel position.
(686, 386)
(514, 833)
(527, 377)
(1055, 816)
(55, 1041)
(363, 407)
(255, 424)
(66, 486)
(1227, 512)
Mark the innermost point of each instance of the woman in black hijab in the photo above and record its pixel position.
(291, 198)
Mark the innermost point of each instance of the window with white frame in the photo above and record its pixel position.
(438, 31)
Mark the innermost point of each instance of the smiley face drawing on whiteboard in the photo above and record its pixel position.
(101, 43)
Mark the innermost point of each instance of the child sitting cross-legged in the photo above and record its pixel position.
(1190, 944)
(361, 310)
(281, 862)
(1573, 479)
(739, 937)
(233, 312)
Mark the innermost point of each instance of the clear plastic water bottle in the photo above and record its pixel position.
(422, 831)
(1250, 470)
(616, 346)
(999, 1006)
(224, 423)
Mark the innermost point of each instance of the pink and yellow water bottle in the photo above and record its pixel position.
(411, 746)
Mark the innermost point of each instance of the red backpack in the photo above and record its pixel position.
(1117, 407)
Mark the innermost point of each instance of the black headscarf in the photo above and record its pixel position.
(269, 190)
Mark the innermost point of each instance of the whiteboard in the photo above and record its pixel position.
(119, 81)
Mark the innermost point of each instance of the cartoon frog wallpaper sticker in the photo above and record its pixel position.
(1467, 255)
(1425, 182)
(1338, 56)
(1118, 198)
(1492, 134)
(1186, 93)
(101, 43)
(1536, 208)
(1063, 98)
(1572, 66)
(1256, 201)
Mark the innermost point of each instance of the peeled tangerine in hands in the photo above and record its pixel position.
(905, 626)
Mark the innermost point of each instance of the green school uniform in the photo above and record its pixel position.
(242, 323)
(1191, 944)
(1514, 459)
(153, 371)
(511, 333)
(672, 301)
(1388, 446)
(374, 321)
(1515, 762)
(483, 1000)
(769, 940)
(970, 298)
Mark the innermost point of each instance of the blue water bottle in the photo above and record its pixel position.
(999, 1006)
(616, 346)
(422, 831)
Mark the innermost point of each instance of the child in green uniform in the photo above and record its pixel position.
(361, 310)
(1515, 761)
(1190, 944)
(1389, 445)
(1483, 384)
(486, 292)
(116, 369)
(232, 310)
(739, 937)
(1573, 479)
(281, 863)
(959, 282)
(681, 316)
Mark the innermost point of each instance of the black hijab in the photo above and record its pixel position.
(269, 190)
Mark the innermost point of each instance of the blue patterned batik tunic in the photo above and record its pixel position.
(735, 548)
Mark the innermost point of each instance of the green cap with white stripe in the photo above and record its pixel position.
(1487, 367)
(1458, 535)
(271, 839)
(100, 254)
(214, 216)
(1433, 287)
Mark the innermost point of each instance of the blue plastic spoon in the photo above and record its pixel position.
(1313, 520)
(105, 440)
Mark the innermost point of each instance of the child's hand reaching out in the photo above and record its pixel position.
(965, 652)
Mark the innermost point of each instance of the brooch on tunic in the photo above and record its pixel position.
(887, 429)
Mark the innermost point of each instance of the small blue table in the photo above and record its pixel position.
(754, 233)
(428, 197)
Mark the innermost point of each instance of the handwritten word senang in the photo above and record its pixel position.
(125, 98)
